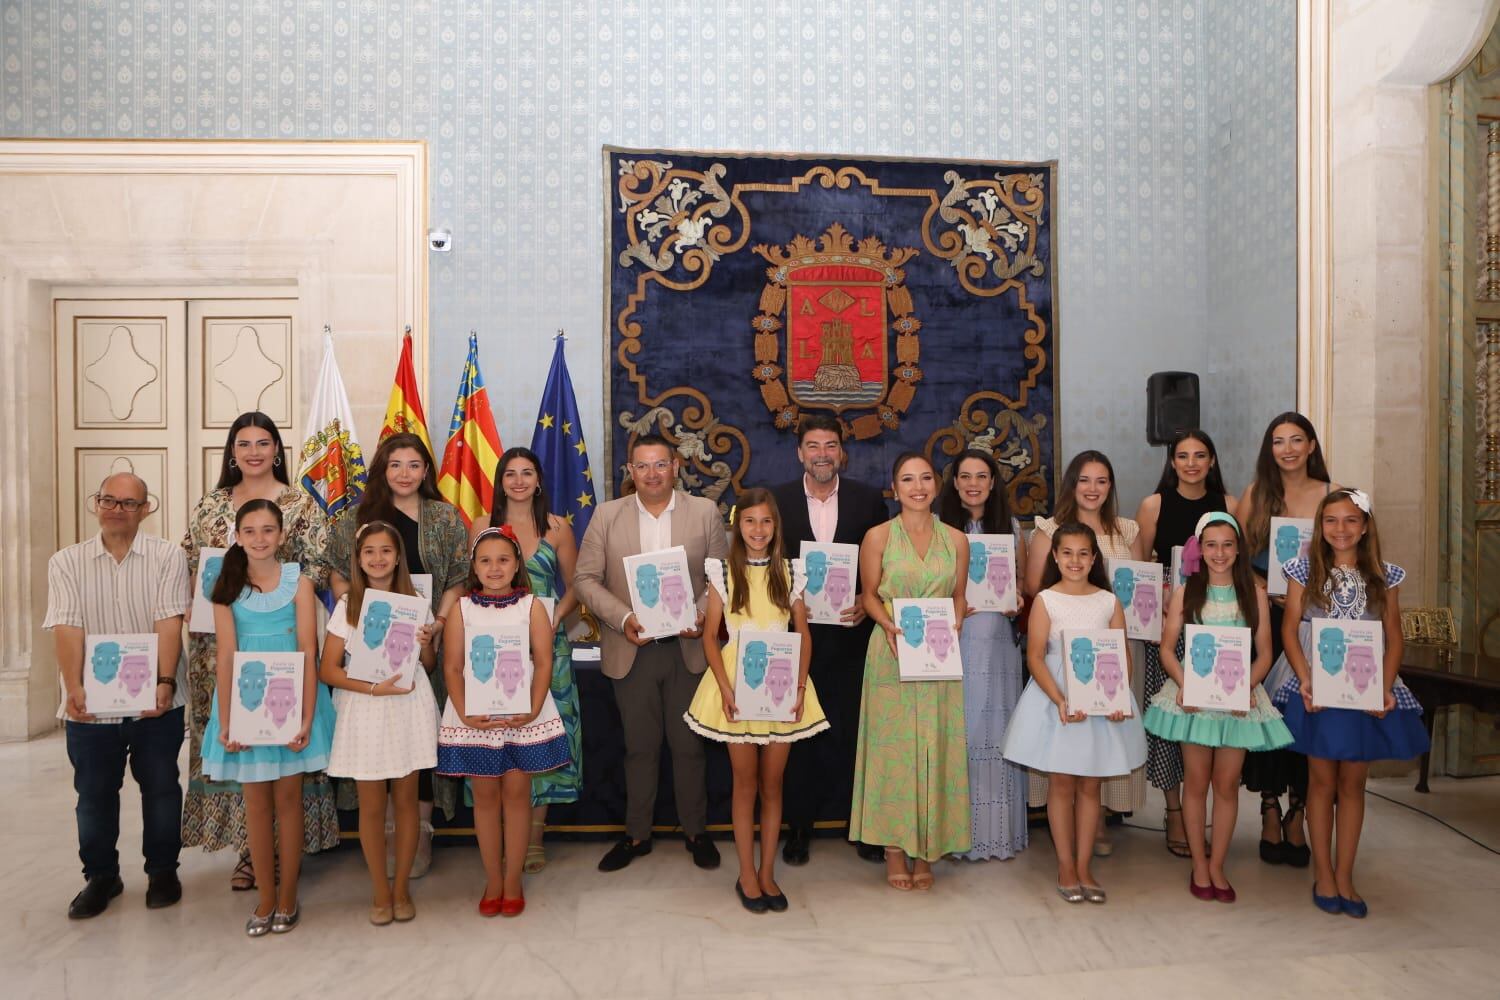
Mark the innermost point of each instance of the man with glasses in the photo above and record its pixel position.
(122, 581)
(654, 679)
(823, 506)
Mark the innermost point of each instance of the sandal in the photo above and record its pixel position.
(242, 879)
(1177, 848)
(901, 881)
(1296, 855)
(1272, 852)
(922, 881)
(536, 854)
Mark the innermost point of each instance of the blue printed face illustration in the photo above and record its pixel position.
(1331, 648)
(648, 584)
(1288, 542)
(482, 658)
(210, 575)
(252, 684)
(1202, 654)
(1081, 653)
(377, 621)
(816, 565)
(979, 561)
(1124, 585)
(913, 627)
(756, 658)
(106, 662)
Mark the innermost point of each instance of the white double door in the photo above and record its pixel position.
(151, 386)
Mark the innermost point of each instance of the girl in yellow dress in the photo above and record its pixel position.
(755, 589)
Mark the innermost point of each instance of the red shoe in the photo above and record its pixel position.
(1225, 895)
(1204, 892)
(512, 907)
(493, 907)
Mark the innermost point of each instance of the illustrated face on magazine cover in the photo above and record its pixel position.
(755, 659)
(482, 658)
(838, 587)
(1288, 543)
(209, 575)
(281, 698)
(253, 684)
(1361, 667)
(1332, 646)
(377, 621)
(979, 561)
(135, 671)
(1107, 669)
(1202, 653)
(673, 594)
(510, 669)
(912, 626)
(780, 679)
(1146, 604)
(939, 638)
(648, 584)
(1081, 653)
(400, 640)
(1124, 585)
(999, 575)
(106, 661)
(816, 565)
(1229, 668)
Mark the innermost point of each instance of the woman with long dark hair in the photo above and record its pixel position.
(1291, 479)
(254, 467)
(1191, 486)
(402, 491)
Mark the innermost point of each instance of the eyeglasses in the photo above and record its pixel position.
(645, 467)
(107, 502)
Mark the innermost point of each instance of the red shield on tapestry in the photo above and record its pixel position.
(836, 338)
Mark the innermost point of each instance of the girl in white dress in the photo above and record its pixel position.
(384, 732)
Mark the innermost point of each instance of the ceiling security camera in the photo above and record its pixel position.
(439, 240)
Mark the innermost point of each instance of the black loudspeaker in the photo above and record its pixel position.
(1171, 405)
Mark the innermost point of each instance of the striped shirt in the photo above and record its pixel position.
(88, 589)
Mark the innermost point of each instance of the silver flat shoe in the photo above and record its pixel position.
(1094, 893)
(258, 926)
(281, 922)
(1071, 893)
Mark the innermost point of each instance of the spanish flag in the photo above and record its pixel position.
(403, 414)
(465, 477)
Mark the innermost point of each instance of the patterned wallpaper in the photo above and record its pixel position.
(516, 99)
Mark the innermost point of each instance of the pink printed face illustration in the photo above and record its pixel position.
(1229, 668)
(939, 638)
(510, 671)
(281, 698)
(1359, 665)
(837, 587)
(779, 679)
(1146, 603)
(135, 671)
(673, 594)
(998, 575)
(1107, 669)
(400, 640)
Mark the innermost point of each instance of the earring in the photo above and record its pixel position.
(276, 461)
(233, 464)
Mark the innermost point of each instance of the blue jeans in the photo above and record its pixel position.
(99, 754)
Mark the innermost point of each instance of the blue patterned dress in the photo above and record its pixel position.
(565, 783)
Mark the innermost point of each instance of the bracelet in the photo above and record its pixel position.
(801, 687)
(372, 689)
(171, 682)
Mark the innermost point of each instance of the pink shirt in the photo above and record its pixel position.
(823, 515)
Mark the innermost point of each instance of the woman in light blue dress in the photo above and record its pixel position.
(974, 501)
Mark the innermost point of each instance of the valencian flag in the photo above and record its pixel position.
(465, 478)
(558, 442)
(404, 414)
(332, 467)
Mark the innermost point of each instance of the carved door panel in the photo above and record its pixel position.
(241, 354)
(121, 396)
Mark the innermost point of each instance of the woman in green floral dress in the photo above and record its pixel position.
(911, 773)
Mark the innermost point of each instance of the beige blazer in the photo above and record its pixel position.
(614, 532)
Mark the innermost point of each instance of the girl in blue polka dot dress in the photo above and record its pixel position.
(500, 754)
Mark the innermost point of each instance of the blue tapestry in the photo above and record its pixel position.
(911, 299)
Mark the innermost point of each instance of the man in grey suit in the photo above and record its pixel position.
(654, 679)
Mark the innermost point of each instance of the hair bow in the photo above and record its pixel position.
(1360, 499)
(1192, 556)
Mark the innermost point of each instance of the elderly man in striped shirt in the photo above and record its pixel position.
(122, 581)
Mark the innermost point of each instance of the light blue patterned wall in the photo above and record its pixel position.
(516, 99)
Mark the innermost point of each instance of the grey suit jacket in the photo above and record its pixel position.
(614, 533)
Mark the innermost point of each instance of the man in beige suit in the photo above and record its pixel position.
(654, 679)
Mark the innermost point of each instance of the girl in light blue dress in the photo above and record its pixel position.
(262, 605)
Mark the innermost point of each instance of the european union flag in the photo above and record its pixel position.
(558, 442)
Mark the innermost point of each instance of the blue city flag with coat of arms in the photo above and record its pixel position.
(558, 442)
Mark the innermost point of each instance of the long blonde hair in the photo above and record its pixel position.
(1366, 558)
(358, 582)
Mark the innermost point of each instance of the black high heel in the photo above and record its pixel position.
(1273, 852)
(1296, 855)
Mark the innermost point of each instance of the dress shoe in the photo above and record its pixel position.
(1355, 908)
(794, 851)
(491, 907)
(403, 910)
(778, 903)
(258, 926)
(1094, 893)
(755, 904)
(1224, 895)
(95, 897)
(512, 907)
(1071, 893)
(1328, 904)
(870, 852)
(162, 889)
(705, 854)
(284, 922)
(381, 915)
(1204, 892)
(623, 853)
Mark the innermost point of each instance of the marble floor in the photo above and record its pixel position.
(662, 928)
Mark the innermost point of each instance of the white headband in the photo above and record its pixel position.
(1360, 499)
